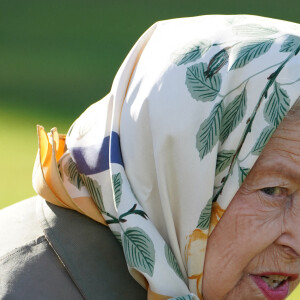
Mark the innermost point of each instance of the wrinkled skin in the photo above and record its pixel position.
(260, 230)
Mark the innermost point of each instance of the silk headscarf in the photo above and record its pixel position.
(159, 159)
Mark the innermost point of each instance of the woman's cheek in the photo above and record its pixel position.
(260, 220)
(246, 290)
(245, 230)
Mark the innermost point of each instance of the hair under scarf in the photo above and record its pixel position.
(162, 155)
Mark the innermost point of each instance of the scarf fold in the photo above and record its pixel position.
(159, 158)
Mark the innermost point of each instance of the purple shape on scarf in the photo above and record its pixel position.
(95, 159)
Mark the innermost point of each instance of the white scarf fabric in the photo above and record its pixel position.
(163, 154)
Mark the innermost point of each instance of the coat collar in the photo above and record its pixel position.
(90, 253)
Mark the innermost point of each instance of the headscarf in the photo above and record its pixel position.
(162, 155)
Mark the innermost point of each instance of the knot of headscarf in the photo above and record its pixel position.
(160, 158)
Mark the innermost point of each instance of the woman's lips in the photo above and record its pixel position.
(278, 291)
(291, 277)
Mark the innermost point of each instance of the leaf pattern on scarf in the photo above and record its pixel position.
(218, 61)
(172, 262)
(94, 190)
(139, 250)
(117, 184)
(253, 30)
(79, 180)
(60, 170)
(275, 109)
(186, 297)
(277, 106)
(243, 172)
(117, 236)
(263, 139)
(72, 173)
(208, 133)
(291, 44)
(233, 115)
(194, 53)
(200, 87)
(204, 219)
(245, 52)
(224, 159)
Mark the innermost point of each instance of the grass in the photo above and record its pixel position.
(57, 57)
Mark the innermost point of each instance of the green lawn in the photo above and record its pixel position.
(57, 57)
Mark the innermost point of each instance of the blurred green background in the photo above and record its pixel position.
(57, 57)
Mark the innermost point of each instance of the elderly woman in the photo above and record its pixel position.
(189, 163)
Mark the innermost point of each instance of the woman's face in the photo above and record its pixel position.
(254, 251)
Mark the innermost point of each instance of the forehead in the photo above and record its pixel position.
(282, 153)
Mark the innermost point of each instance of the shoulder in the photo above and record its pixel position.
(63, 249)
(28, 266)
(18, 225)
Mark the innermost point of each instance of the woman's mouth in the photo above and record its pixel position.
(275, 286)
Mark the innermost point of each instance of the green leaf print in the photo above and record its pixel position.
(208, 133)
(172, 262)
(243, 172)
(277, 106)
(291, 44)
(186, 297)
(194, 53)
(94, 190)
(202, 88)
(73, 174)
(224, 159)
(263, 139)
(253, 30)
(217, 62)
(80, 180)
(233, 115)
(204, 219)
(117, 236)
(139, 250)
(117, 183)
(60, 170)
(247, 51)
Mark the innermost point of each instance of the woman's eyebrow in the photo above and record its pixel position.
(287, 169)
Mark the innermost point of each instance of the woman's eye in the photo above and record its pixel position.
(275, 191)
